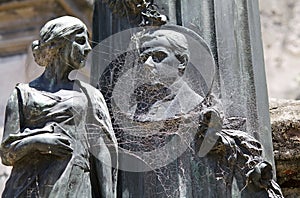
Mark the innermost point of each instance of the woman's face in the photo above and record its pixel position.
(76, 50)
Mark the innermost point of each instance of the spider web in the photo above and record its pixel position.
(152, 140)
(153, 150)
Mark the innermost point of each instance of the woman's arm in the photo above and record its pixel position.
(11, 126)
(18, 143)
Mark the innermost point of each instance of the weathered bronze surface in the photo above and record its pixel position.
(173, 141)
(176, 136)
(58, 135)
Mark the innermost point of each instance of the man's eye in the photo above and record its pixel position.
(80, 40)
(143, 58)
(159, 56)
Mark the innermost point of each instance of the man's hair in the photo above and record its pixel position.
(177, 41)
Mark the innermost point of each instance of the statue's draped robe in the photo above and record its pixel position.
(83, 118)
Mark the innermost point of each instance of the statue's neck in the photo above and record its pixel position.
(54, 78)
(58, 71)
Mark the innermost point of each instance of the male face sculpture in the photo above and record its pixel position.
(162, 59)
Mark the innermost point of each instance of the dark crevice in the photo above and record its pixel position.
(178, 12)
(291, 184)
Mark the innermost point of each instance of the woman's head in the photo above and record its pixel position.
(54, 35)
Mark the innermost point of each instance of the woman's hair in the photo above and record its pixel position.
(52, 37)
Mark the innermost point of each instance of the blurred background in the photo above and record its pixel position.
(20, 21)
(280, 22)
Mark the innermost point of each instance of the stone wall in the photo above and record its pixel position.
(285, 122)
(281, 39)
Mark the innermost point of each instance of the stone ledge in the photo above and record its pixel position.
(285, 124)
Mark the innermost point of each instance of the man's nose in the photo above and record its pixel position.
(87, 49)
(149, 63)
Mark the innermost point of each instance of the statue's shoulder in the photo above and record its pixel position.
(90, 89)
(93, 94)
(21, 89)
(22, 86)
(84, 84)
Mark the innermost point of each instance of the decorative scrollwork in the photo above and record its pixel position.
(143, 11)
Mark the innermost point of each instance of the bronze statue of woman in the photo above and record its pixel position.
(58, 135)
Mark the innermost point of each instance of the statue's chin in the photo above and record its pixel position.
(80, 65)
